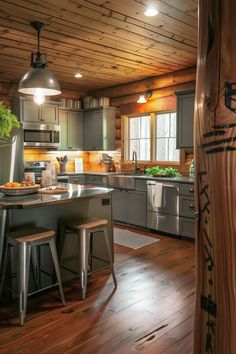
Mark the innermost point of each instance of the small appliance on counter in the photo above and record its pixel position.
(37, 167)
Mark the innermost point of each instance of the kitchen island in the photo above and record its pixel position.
(47, 210)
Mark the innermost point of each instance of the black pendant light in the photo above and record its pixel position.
(39, 81)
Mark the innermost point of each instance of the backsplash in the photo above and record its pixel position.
(91, 160)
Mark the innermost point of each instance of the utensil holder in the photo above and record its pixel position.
(63, 167)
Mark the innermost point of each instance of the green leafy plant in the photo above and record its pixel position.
(8, 121)
(162, 171)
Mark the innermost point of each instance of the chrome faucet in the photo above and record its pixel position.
(135, 161)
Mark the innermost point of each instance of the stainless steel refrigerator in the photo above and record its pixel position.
(12, 158)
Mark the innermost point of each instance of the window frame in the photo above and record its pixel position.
(127, 134)
(155, 137)
(125, 138)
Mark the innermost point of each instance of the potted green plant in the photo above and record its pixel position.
(8, 121)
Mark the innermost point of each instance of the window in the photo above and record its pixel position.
(139, 137)
(165, 137)
(152, 136)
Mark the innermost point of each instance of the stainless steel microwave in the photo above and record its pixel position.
(42, 135)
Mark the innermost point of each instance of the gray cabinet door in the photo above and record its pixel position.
(49, 113)
(96, 180)
(63, 122)
(187, 227)
(136, 208)
(93, 130)
(29, 111)
(77, 179)
(75, 130)
(119, 205)
(185, 118)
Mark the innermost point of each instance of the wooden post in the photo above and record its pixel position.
(215, 152)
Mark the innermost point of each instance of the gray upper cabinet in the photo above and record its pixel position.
(71, 123)
(49, 113)
(99, 129)
(185, 118)
(30, 112)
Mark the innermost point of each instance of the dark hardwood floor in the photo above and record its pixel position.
(151, 312)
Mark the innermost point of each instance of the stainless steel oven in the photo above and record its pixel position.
(163, 206)
(41, 135)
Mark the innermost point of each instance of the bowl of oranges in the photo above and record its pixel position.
(16, 188)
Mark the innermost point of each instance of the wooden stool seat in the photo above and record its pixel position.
(86, 223)
(85, 228)
(25, 241)
(30, 235)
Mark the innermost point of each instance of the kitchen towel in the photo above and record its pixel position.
(131, 239)
(159, 196)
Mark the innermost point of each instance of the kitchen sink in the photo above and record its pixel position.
(123, 181)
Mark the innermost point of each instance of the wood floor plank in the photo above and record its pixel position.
(150, 312)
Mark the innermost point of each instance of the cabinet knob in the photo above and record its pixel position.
(191, 206)
(191, 190)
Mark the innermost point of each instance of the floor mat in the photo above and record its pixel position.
(132, 239)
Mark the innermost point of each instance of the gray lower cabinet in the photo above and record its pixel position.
(129, 206)
(187, 227)
(136, 207)
(119, 205)
(186, 210)
(30, 112)
(77, 179)
(185, 118)
(96, 180)
(71, 123)
(99, 129)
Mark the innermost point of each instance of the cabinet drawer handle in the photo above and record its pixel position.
(191, 190)
(76, 180)
(191, 206)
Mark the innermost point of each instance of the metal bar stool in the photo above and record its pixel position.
(24, 240)
(84, 228)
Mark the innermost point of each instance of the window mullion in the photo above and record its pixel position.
(152, 138)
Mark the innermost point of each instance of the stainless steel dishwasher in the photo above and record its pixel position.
(163, 206)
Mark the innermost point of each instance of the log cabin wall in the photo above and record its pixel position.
(4, 93)
(164, 89)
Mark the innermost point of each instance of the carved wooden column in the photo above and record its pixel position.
(215, 152)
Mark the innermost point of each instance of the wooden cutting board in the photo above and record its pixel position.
(52, 191)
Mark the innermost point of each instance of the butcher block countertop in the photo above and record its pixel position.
(38, 200)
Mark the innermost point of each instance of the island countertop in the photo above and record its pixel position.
(38, 200)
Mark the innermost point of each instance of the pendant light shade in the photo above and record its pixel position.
(39, 81)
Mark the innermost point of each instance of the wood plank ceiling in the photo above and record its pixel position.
(110, 42)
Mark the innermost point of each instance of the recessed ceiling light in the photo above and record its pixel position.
(151, 11)
(78, 75)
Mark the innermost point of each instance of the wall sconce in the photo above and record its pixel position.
(143, 97)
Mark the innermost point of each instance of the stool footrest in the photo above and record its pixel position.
(43, 289)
